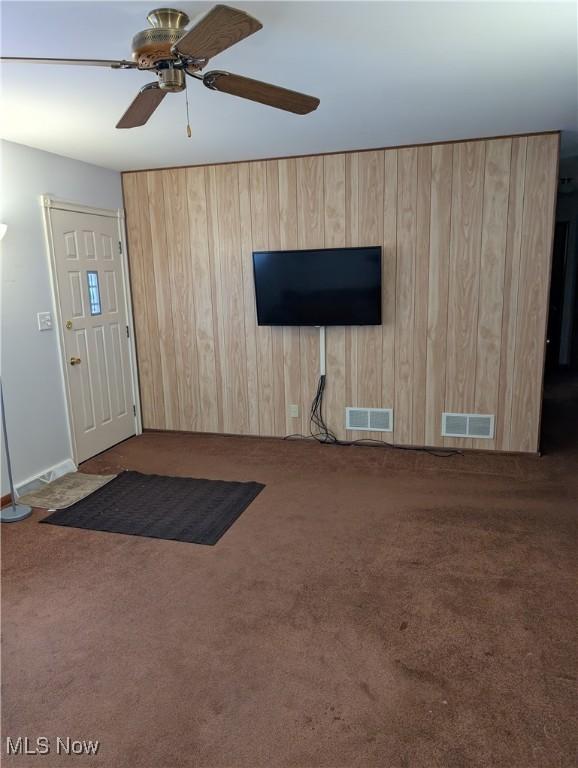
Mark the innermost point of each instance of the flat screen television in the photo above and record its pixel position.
(326, 286)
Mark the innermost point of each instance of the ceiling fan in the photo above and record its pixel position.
(172, 53)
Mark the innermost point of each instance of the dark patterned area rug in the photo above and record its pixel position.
(175, 508)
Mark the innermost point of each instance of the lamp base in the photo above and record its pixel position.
(14, 513)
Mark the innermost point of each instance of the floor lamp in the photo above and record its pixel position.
(14, 512)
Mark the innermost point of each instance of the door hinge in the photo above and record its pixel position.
(119, 247)
(128, 332)
(134, 410)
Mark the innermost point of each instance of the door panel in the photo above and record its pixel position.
(92, 313)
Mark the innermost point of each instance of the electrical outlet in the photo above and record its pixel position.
(294, 411)
(44, 321)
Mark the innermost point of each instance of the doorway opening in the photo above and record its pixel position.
(94, 318)
(560, 403)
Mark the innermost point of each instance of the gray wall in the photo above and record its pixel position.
(30, 366)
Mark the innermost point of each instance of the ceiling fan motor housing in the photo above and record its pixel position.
(171, 79)
(154, 44)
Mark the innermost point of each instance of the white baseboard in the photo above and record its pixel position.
(50, 474)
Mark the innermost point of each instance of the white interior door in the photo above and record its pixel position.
(93, 318)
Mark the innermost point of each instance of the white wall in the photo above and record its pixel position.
(30, 366)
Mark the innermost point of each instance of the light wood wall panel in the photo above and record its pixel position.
(404, 293)
(352, 241)
(533, 289)
(230, 302)
(370, 337)
(421, 288)
(149, 342)
(464, 266)
(438, 280)
(182, 299)
(260, 240)
(388, 274)
(160, 286)
(249, 314)
(466, 235)
(510, 292)
(491, 279)
(288, 240)
(136, 234)
(334, 233)
(310, 234)
(215, 289)
(201, 290)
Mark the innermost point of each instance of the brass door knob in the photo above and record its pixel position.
(74, 360)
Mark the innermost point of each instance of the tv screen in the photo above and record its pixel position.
(328, 286)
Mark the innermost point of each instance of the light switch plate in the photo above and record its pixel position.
(44, 321)
(294, 411)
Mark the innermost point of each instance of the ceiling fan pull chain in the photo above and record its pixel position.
(189, 132)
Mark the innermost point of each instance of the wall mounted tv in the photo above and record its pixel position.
(326, 286)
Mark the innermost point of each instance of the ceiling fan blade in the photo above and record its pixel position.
(218, 30)
(113, 64)
(264, 93)
(142, 107)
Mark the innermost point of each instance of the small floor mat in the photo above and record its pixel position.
(175, 508)
(65, 491)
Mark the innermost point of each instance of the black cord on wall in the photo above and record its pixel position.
(320, 432)
(317, 427)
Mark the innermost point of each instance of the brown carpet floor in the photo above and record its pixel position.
(371, 608)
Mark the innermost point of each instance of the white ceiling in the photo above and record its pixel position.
(387, 73)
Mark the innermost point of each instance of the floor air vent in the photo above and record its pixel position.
(477, 425)
(369, 419)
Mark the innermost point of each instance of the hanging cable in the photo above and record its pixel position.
(317, 426)
(319, 431)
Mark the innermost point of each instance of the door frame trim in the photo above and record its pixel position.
(49, 204)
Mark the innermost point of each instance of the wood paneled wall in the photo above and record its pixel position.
(466, 231)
